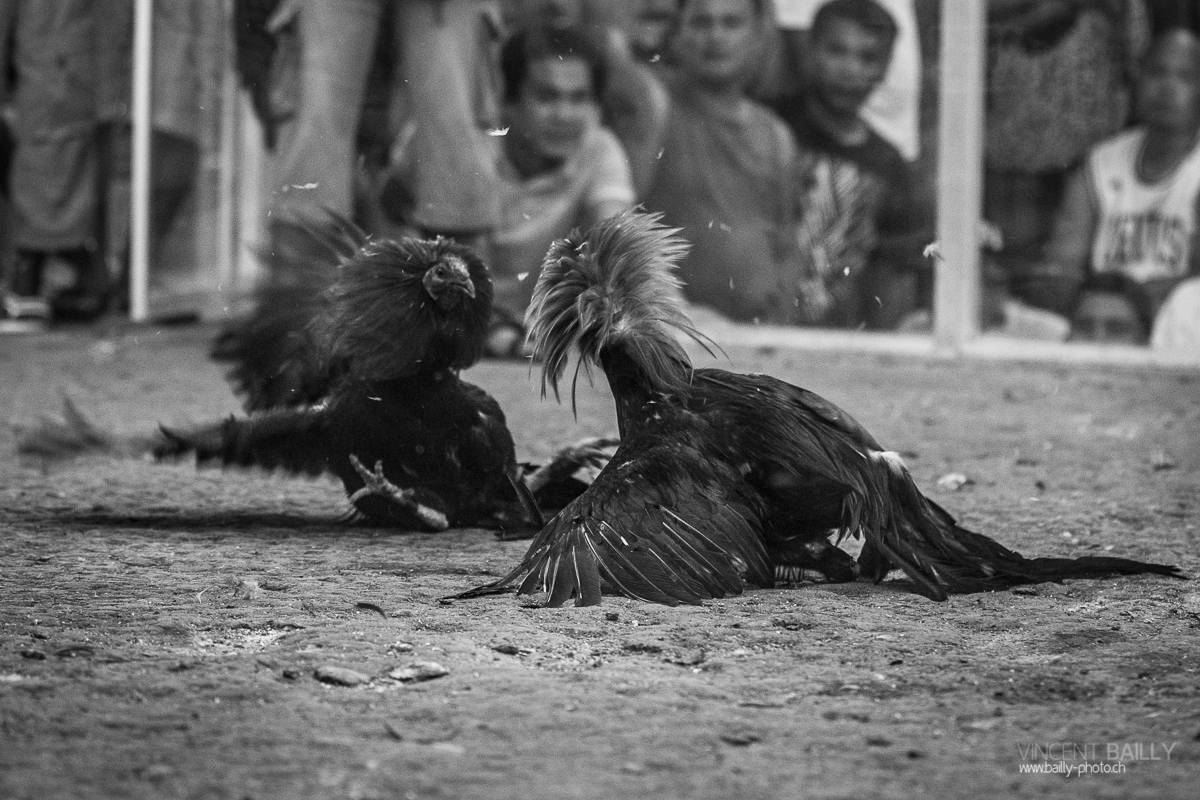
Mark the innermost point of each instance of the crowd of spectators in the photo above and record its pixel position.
(65, 69)
(785, 137)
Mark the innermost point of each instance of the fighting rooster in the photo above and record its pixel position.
(349, 365)
(723, 478)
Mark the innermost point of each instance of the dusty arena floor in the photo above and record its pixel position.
(162, 629)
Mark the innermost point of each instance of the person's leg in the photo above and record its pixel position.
(175, 161)
(444, 58)
(54, 177)
(316, 161)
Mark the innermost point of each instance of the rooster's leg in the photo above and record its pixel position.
(375, 484)
(590, 454)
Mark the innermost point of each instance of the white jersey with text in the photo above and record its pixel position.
(1145, 229)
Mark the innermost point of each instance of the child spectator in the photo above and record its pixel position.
(1111, 308)
(1132, 207)
(892, 109)
(859, 225)
(718, 164)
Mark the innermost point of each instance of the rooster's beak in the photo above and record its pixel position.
(448, 278)
(459, 278)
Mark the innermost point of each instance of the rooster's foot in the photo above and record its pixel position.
(376, 484)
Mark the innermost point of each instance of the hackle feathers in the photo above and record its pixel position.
(614, 286)
(382, 322)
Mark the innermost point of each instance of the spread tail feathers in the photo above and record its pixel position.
(943, 558)
(614, 285)
(74, 436)
(288, 439)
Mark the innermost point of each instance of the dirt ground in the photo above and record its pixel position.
(162, 628)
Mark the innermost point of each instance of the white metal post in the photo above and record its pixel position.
(139, 212)
(960, 173)
(227, 181)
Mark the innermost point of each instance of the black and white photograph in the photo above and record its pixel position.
(599, 399)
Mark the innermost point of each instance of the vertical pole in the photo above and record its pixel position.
(252, 178)
(228, 149)
(139, 212)
(960, 173)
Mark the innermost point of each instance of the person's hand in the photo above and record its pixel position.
(816, 300)
(1014, 19)
(285, 14)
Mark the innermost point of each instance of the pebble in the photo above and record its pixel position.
(419, 671)
(157, 772)
(340, 676)
(688, 658)
(75, 651)
(740, 736)
(954, 481)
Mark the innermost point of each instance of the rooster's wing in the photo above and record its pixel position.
(665, 521)
(275, 358)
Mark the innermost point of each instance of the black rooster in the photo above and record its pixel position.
(349, 365)
(722, 478)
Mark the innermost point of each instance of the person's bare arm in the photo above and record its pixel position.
(1065, 260)
(1017, 17)
(637, 108)
(1037, 9)
(1194, 260)
(1070, 246)
(612, 190)
(608, 208)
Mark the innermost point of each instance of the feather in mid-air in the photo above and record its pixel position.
(722, 478)
(348, 365)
